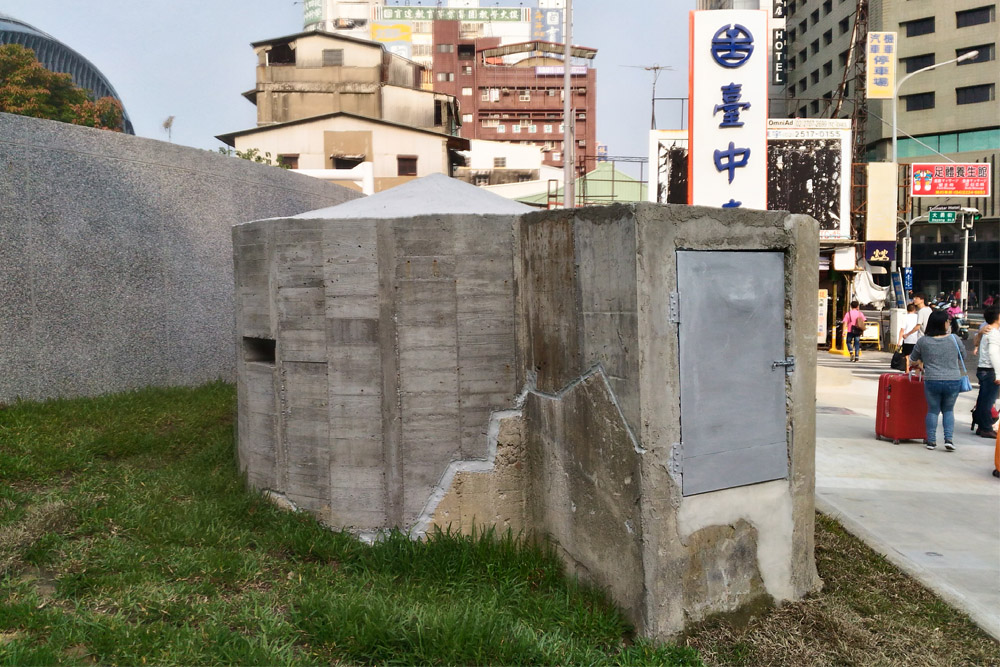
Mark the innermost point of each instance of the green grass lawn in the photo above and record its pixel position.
(127, 537)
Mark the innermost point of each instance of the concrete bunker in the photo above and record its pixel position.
(635, 383)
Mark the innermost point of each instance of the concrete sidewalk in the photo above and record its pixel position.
(935, 514)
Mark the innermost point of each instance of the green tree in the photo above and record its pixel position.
(28, 89)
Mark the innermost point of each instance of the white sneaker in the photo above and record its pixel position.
(949, 446)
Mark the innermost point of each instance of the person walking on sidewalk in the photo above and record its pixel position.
(923, 312)
(989, 364)
(942, 359)
(909, 332)
(854, 326)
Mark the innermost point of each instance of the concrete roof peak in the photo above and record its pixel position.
(436, 194)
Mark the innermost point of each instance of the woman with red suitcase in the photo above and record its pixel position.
(942, 358)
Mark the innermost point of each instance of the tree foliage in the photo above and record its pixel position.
(28, 89)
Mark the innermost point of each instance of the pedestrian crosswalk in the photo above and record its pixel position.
(871, 364)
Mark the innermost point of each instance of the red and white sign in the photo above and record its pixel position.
(949, 179)
(727, 163)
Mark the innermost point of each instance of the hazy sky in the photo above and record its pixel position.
(192, 59)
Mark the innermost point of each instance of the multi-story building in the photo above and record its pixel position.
(949, 113)
(329, 101)
(313, 73)
(501, 60)
(514, 92)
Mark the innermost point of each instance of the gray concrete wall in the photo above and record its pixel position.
(116, 256)
(394, 344)
(593, 297)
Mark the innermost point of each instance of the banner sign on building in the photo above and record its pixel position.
(881, 65)
(880, 213)
(668, 153)
(466, 14)
(779, 43)
(547, 25)
(950, 180)
(312, 12)
(809, 171)
(397, 38)
(728, 109)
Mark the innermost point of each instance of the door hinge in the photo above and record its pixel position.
(674, 308)
(676, 455)
(788, 364)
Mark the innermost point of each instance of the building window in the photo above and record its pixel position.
(814, 47)
(547, 129)
(977, 16)
(445, 76)
(501, 129)
(828, 68)
(446, 48)
(556, 155)
(814, 107)
(499, 163)
(827, 37)
(467, 70)
(919, 101)
(406, 165)
(525, 96)
(466, 117)
(515, 128)
(842, 58)
(918, 27)
(814, 77)
(975, 94)
(482, 179)
(289, 161)
(467, 91)
(333, 57)
(533, 129)
(987, 52)
(466, 51)
(827, 7)
(913, 63)
(281, 54)
(346, 161)
(803, 113)
(814, 17)
(844, 25)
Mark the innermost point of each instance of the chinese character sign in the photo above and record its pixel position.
(949, 179)
(727, 164)
(881, 63)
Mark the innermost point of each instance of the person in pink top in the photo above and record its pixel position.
(854, 326)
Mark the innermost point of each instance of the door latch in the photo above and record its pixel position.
(788, 364)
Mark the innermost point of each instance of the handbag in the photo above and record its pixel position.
(898, 362)
(966, 384)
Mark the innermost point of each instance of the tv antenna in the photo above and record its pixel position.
(655, 68)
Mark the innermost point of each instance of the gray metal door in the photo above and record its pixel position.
(732, 330)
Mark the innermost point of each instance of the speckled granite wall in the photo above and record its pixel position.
(116, 262)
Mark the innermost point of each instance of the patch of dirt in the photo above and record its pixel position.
(40, 519)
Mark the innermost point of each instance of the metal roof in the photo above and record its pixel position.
(545, 47)
(58, 57)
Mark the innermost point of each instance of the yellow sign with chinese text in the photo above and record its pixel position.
(880, 60)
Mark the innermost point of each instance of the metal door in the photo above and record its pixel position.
(732, 331)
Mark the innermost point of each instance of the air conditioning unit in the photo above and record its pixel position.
(505, 91)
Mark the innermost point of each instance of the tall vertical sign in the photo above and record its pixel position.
(779, 43)
(881, 64)
(728, 110)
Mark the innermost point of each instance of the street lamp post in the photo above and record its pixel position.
(895, 104)
(895, 95)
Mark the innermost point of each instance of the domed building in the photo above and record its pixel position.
(58, 57)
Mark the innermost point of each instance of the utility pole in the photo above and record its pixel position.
(569, 122)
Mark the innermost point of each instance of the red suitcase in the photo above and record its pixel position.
(901, 409)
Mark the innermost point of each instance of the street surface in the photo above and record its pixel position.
(935, 514)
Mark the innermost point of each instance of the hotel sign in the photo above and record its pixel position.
(727, 166)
